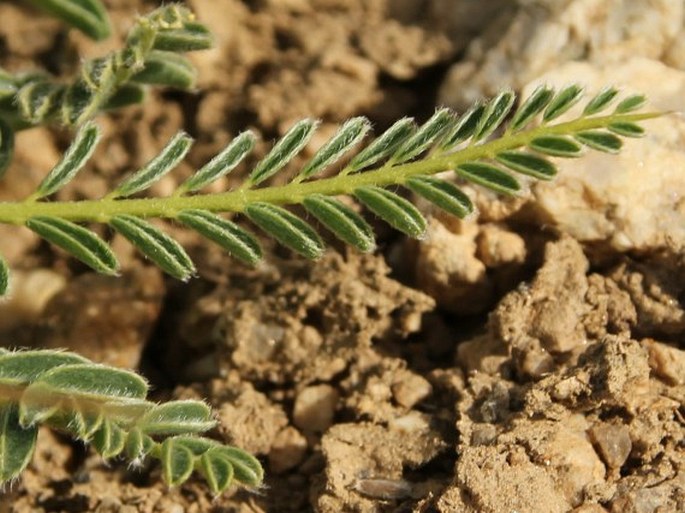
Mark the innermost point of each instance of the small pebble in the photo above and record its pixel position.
(411, 390)
(315, 407)
(667, 362)
(612, 443)
(288, 450)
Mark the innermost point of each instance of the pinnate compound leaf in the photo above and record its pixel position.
(464, 127)
(246, 468)
(627, 129)
(77, 241)
(283, 151)
(191, 37)
(89, 16)
(562, 102)
(286, 228)
(237, 241)
(340, 219)
(601, 101)
(425, 136)
(631, 104)
(383, 146)
(156, 245)
(495, 111)
(223, 163)
(170, 156)
(23, 367)
(488, 176)
(350, 134)
(71, 163)
(217, 471)
(527, 164)
(17, 444)
(393, 209)
(167, 69)
(531, 107)
(177, 417)
(177, 462)
(444, 195)
(600, 140)
(6, 146)
(4, 276)
(556, 146)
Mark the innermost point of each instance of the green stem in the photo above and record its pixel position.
(103, 210)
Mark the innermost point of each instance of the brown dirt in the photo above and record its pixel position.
(491, 368)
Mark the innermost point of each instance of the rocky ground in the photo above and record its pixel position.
(528, 359)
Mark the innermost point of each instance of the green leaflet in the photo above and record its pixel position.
(238, 242)
(381, 148)
(177, 462)
(494, 114)
(217, 471)
(246, 467)
(631, 104)
(464, 128)
(348, 136)
(533, 106)
(22, 367)
(600, 102)
(189, 38)
(156, 245)
(109, 440)
(222, 164)
(425, 136)
(527, 164)
(16, 443)
(77, 241)
(599, 140)
(38, 100)
(84, 421)
(6, 146)
(177, 417)
(556, 146)
(170, 156)
(71, 163)
(286, 228)
(89, 16)
(127, 94)
(346, 224)
(442, 194)
(562, 102)
(393, 209)
(4, 276)
(168, 69)
(488, 176)
(627, 129)
(138, 444)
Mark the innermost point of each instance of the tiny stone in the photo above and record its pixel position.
(667, 362)
(612, 442)
(288, 450)
(483, 434)
(314, 408)
(411, 390)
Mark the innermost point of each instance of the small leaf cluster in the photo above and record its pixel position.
(406, 155)
(89, 16)
(152, 54)
(106, 408)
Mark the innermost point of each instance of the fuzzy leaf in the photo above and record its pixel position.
(17, 444)
(98, 72)
(6, 146)
(127, 94)
(383, 146)
(237, 241)
(196, 444)
(283, 151)
(4, 276)
(627, 129)
(345, 138)
(444, 195)
(630, 104)
(177, 462)
(346, 224)
(556, 146)
(247, 469)
(77, 241)
(527, 164)
(530, 108)
(79, 103)
(85, 422)
(22, 367)
(217, 471)
(425, 136)
(109, 440)
(156, 245)
(167, 69)
(464, 128)
(38, 99)
(562, 102)
(170, 156)
(137, 444)
(71, 163)
(493, 116)
(286, 228)
(222, 164)
(393, 209)
(89, 16)
(488, 176)
(192, 36)
(600, 102)
(177, 417)
(600, 140)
